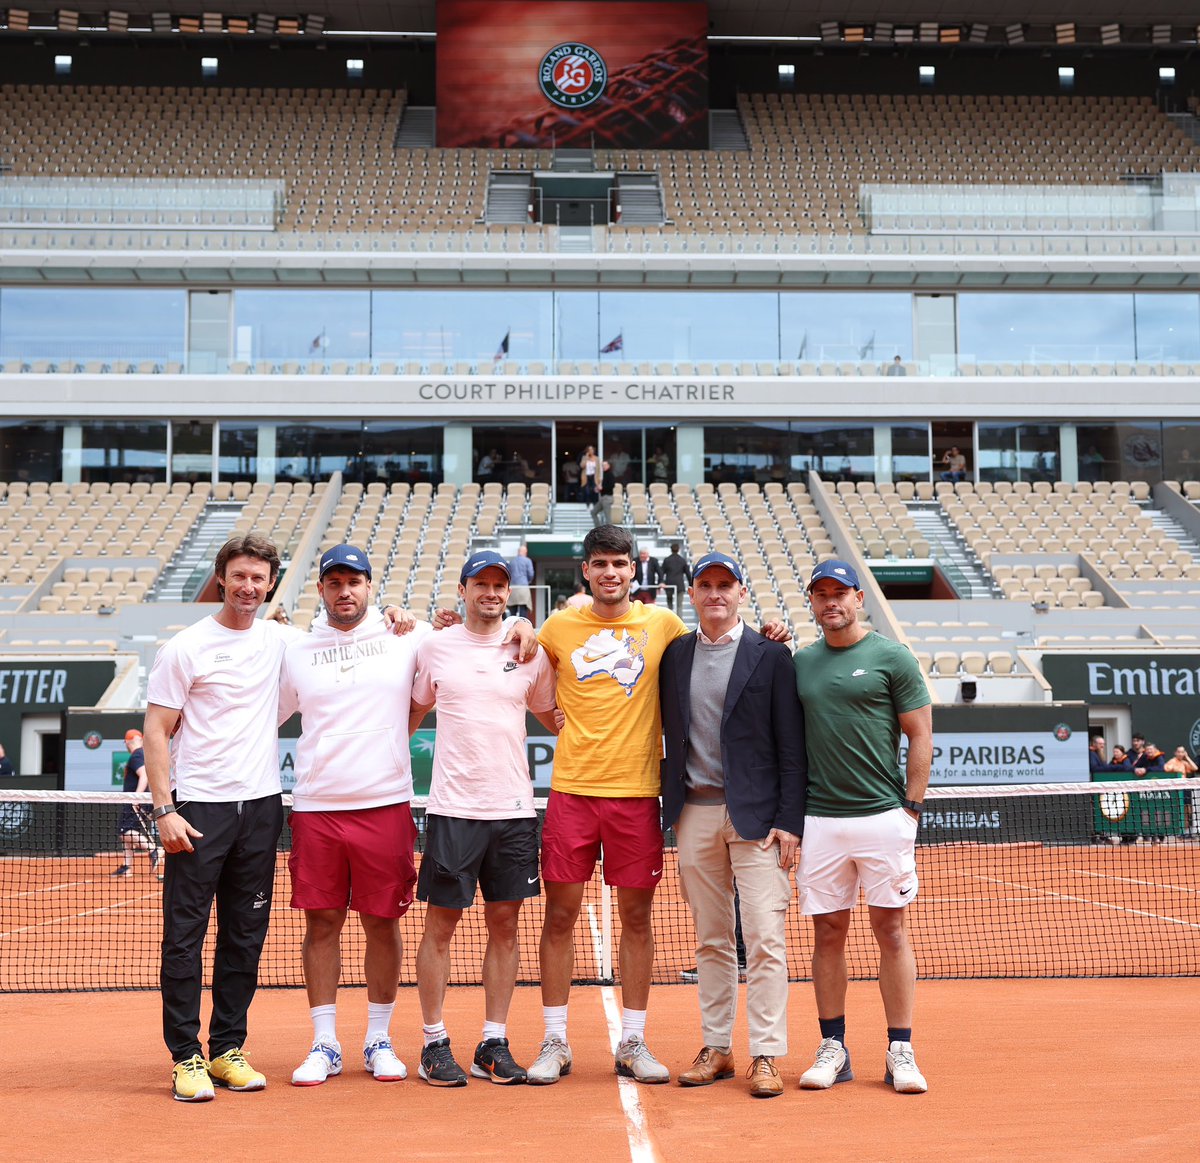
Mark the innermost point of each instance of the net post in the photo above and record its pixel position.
(606, 932)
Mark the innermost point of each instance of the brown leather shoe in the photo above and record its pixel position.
(765, 1081)
(710, 1066)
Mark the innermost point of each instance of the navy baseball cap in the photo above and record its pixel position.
(347, 556)
(482, 560)
(721, 559)
(840, 571)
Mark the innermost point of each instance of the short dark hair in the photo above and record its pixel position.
(248, 545)
(608, 539)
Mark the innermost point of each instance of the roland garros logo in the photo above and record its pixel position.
(572, 75)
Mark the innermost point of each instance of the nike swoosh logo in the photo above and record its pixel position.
(858, 674)
(347, 666)
(656, 872)
(531, 880)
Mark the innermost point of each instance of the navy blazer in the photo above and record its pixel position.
(762, 736)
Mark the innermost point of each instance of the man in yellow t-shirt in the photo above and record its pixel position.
(604, 793)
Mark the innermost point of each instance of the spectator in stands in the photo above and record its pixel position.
(1118, 760)
(648, 576)
(618, 462)
(897, 368)
(660, 466)
(676, 574)
(1181, 763)
(580, 599)
(956, 465)
(487, 466)
(520, 569)
(590, 475)
(602, 509)
(1136, 747)
(1096, 760)
(1151, 762)
(6, 767)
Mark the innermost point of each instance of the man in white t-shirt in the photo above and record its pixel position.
(212, 759)
(481, 827)
(352, 827)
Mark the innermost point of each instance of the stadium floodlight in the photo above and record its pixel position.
(354, 67)
(1110, 34)
(978, 34)
(62, 64)
(831, 31)
(927, 74)
(264, 22)
(787, 72)
(1064, 33)
(118, 21)
(209, 66)
(1160, 34)
(160, 21)
(68, 20)
(18, 20)
(927, 32)
(314, 24)
(1166, 76)
(884, 31)
(213, 22)
(1066, 78)
(1014, 33)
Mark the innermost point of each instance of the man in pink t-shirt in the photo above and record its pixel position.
(481, 826)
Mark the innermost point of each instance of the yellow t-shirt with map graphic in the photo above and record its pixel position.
(611, 745)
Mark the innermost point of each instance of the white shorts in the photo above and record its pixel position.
(841, 853)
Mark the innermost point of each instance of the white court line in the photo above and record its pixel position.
(641, 1147)
(1097, 904)
(1132, 880)
(16, 896)
(72, 917)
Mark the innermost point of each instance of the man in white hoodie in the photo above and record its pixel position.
(352, 828)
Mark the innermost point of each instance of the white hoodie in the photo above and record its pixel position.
(353, 689)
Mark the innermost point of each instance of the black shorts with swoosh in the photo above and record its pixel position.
(500, 856)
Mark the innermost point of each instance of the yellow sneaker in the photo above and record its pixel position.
(233, 1071)
(190, 1081)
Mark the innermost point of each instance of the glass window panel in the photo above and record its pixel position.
(512, 452)
(578, 324)
(302, 325)
(1018, 452)
(31, 452)
(191, 451)
(1045, 328)
(1168, 327)
(124, 451)
(817, 326)
(402, 452)
(910, 453)
(640, 453)
(691, 325)
(1181, 451)
(469, 326)
(311, 452)
(786, 452)
(238, 452)
(838, 453)
(1120, 452)
(91, 324)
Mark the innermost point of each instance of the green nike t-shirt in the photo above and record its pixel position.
(853, 697)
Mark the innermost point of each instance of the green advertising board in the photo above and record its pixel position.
(1125, 814)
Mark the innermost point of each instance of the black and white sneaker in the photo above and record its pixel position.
(494, 1062)
(438, 1067)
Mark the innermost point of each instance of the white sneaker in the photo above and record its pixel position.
(832, 1065)
(380, 1059)
(634, 1060)
(902, 1070)
(324, 1060)
(553, 1062)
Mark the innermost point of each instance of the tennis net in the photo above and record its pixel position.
(1091, 880)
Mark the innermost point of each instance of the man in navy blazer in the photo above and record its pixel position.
(733, 787)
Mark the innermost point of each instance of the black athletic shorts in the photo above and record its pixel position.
(500, 856)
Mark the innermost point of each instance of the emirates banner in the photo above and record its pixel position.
(539, 73)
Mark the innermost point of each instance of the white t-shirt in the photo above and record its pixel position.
(480, 769)
(225, 683)
(353, 689)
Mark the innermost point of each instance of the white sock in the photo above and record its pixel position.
(379, 1018)
(495, 1030)
(324, 1020)
(555, 1018)
(434, 1033)
(633, 1022)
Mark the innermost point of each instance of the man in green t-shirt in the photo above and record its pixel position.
(860, 691)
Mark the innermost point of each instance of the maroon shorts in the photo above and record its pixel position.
(628, 830)
(358, 859)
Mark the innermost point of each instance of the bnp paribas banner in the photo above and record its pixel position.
(538, 73)
(1161, 690)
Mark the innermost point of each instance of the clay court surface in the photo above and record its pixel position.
(1053, 1070)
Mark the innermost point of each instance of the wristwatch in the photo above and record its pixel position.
(165, 810)
(914, 806)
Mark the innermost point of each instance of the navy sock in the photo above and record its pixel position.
(834, 1028)
(899, 1034)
